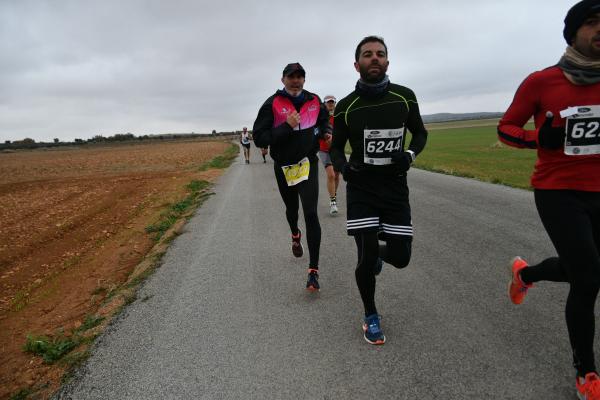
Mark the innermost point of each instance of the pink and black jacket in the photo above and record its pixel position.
(288, 146)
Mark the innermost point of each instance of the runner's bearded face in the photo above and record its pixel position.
(293, 83)
(587, 38)
(372, 62)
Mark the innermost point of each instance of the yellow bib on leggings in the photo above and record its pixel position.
(296, 173)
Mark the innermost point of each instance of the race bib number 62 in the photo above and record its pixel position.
(583, 132)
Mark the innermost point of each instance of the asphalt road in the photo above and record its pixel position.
(227, 315)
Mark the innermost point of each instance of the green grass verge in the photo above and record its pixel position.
(196, 195)
(21, 394)
(224, 160)
(90, 321)
(51, 349)
(475, 152)
(54, 348)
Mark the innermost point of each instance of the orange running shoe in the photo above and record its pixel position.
(588, 388)
(517, 289)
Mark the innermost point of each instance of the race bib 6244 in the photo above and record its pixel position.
(380, 143)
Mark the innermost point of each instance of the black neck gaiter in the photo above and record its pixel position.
(373, 90)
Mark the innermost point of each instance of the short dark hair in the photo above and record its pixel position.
(369, 39)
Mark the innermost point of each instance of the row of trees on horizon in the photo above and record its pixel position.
(29, 143)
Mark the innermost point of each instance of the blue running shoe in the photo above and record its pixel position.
(378, 266)
(373, 333)
(312, 284)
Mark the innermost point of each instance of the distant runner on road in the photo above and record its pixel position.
(333, 177)
(291, 121)
(374, 119)
(245, 141)
(565, 102)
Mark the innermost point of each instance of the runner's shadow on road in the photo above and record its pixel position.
(311, 296)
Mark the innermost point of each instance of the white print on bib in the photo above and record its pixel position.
(583, 131)
(380, 143)
(296, 173)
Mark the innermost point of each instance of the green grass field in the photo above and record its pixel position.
(471, 149)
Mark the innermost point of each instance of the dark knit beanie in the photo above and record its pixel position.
(577, 15)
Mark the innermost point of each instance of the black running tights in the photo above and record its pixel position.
(572, 220)
(396, 252)
(308, 192)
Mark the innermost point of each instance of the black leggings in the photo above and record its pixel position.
(572, 220)
(396, 252)
(308, 192)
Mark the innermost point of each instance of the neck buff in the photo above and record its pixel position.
(581, 69)
(296, 100)
(372, 89)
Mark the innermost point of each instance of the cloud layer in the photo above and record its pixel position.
(75, 69)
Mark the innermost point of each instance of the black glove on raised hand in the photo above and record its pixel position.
(348, 171)
(403, 159)
(549, 137)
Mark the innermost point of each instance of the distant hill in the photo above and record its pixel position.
(446, 117)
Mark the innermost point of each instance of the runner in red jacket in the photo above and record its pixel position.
(565, 103)
(333, 177)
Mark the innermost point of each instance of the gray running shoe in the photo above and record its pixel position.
(333, 210)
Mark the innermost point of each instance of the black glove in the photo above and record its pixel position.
(348, 171)
(403, 159)
(549, 137)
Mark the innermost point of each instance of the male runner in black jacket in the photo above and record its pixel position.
(374, 119)
(291, 122)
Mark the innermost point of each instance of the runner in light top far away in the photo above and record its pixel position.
(333, 177)
(374, 118)
(245, 141)
(291, 121)
(565, 102)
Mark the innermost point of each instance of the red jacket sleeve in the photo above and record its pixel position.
(524, 105)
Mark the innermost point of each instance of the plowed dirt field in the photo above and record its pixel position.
(72, 230)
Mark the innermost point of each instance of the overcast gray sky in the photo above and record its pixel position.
(75, 69)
